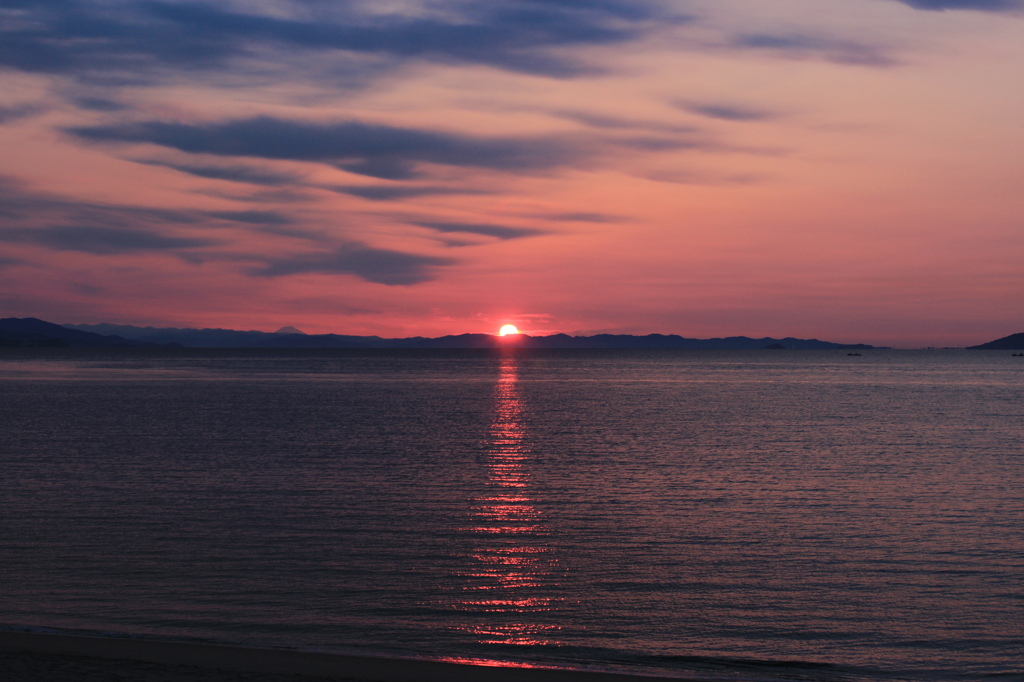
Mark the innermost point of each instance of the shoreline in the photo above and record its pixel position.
(174, 657)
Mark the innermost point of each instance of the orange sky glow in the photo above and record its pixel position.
(834, 169)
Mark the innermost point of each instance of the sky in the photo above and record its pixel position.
(849, 170)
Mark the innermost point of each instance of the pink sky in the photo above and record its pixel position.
(847, 170)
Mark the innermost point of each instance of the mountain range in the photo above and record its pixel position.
(32, 332)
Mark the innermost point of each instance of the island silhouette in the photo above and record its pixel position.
(1011, 342)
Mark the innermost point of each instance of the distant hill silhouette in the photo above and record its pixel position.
(1011, 342)
(230, 338)
(191, 338)
(29, 332)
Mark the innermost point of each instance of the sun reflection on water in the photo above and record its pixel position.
(512, 572)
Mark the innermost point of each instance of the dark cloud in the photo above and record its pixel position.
(18, 203)
(726, 112)
(982, 5)
(800, 46)
(26, 215)
(375, 150)
(57, 223)
(69, 225)
(385, 167)
(13, 113)
(120, 41)
(395, 193)
(253, 217)
(100, 240)
(271, 222)
(274, 196)
(99, 104)
(246, 174)
(616, 123)
(651, 143)
(382, 266)
(500, 231)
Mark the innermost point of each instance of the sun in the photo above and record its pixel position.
(508, 329)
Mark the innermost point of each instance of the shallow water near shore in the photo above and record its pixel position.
(750, 514)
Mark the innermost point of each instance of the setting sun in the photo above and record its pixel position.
(508, 329)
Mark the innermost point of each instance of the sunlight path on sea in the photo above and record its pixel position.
(510, 572)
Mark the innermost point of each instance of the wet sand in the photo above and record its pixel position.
(37, 657)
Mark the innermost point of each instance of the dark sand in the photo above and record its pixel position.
(30, 667)
(36, 657)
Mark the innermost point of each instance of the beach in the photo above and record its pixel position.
(44, 657)
(25, 666)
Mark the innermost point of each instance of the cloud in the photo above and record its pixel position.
(120, 41)
(725, 112)
(246, 174)
(981, 5)
(253, 217)
(395, 193)
(650, 143)
(20, 205)
(18, 111)
(383, 266)
(273, 196)
(374, 150)
(502, 232)
(69, 225)
(615, 123)
(99, 104)
(100, 240)
(584, 217)
(29, 216)
(803, 46)
(683, 177)
(62, 224)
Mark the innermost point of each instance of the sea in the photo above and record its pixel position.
(720, 515)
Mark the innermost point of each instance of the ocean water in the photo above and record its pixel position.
(763, 515)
